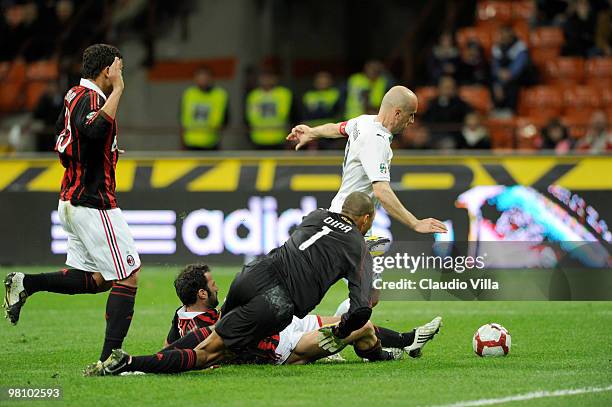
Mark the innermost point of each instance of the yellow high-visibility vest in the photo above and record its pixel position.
(358, 86)
(202, 114)
(323, 100)
(268, 115)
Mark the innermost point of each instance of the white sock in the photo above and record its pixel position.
(343, 308)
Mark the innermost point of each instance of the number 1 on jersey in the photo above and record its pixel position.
(306, 244)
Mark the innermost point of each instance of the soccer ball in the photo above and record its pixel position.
(491, 340)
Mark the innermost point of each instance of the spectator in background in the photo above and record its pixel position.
(556, 137)
(204, 112)
(321, 105)
(269, 112)
(12, 32)
(415, 137)
(510, 62)
(603, 32)
(579, 29)
(474, 134)
(45, 116)
(444, 59)
(597, 139)
(446, 112)
(366, 89)
(473, 68)
(550, 12)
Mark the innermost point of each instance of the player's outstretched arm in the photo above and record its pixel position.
(303, 134)
(393, 206)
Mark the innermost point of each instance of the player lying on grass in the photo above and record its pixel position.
(194, 321)
(301, 342)
(290, 280)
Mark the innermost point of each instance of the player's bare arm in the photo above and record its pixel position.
(393, 206)
(303, 134)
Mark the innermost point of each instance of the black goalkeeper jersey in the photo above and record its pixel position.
(324, 248)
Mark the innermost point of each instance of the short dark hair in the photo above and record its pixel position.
(191, 280)
(97, 57)
(358, 204)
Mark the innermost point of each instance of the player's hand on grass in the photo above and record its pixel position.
(301, 134)
(115, 74)
(328, 341)
(430, 225)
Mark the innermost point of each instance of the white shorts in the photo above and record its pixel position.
(98, 240)
(290, 336)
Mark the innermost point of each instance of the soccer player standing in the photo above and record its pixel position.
(101, 252)
(368, 154)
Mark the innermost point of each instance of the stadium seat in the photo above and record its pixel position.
(576, 123)
(523, 10)
(606, 95)
(521, 29)
(42, 70)
(11, 96)
(482, 35)
(599, 71)
(424, 95)
(33, 91)
(581, 99)
(502, 133)
(4, 68)
(478, 97)
(542, 101)
(540, 56)
(547, 37)
(493, 11)
(565, 70)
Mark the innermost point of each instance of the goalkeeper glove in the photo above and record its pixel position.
(328, 340)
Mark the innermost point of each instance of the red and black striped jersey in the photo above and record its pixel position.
(185, 322)
(87, 148)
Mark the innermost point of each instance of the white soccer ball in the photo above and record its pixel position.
(491, 340)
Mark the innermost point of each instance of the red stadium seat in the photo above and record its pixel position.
(523, 10)
(478, 97)
(11, 96)
(581, 99)
(565, 70)
(606, 96)
(541, 101)
(599, 71)
(541, 56)
(547, 37)
(424, 95)
(521, 29)
(577, 123)
(494, 12)
(502, 133)
(33, 91)
(42, 70)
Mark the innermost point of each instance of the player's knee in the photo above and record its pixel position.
(132, 279)
(367, 337)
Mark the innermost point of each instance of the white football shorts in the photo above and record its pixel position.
(99, 240)
(290, 336)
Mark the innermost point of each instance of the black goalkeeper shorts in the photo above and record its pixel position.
(257, 306)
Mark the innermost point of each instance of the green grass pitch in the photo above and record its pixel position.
(555, 346)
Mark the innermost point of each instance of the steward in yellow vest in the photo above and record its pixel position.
(204, 111)
(365, 90)
(269, 112)
(320, 105)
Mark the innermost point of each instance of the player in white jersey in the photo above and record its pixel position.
(368, 154)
